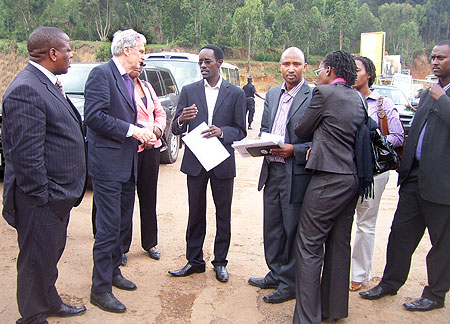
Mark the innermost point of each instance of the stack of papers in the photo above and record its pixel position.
(260, 146)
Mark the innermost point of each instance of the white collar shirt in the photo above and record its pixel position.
(211, 94)
(47, 73)
(119, 66)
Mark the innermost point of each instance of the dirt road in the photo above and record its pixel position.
(200, 298)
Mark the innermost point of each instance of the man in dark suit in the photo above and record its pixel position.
(45, 173)
(221, 105)
(110, 116)
(424, 202)
(283, 176)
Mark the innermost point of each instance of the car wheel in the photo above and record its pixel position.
(170, 155)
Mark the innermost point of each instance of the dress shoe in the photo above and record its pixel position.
(279, 297)
(187, 270)
(377, 292)
(154, 254)
(121, 282)
(262, 283)
(423, 304)
(108, 302)
(221, 273)
(124, 260)
(67, 311)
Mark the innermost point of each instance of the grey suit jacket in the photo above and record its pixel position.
(295, 165)
(434, 167)
(228, 115)
(331, 121)
(43, 142)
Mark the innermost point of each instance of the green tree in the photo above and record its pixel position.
(284, 24)
(247, 25)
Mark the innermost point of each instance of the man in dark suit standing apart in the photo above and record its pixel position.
(45, 173)
(110, 116)
(250, 93)
(283, 176)
(424, 180)
(221, 105)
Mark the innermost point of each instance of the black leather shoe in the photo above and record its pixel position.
(262, 283)
(154, 254)
(67, 311)
(423, 304)
(377, 292)
(221, 273)
(279, 297)
(187, 270)
(121, 282)
(124, 260)
(108, 302)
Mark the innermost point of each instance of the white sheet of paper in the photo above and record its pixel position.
(209, 151)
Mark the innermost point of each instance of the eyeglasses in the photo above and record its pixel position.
(207, 61)
(316, 72)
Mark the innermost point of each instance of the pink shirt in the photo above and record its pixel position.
(151, 115)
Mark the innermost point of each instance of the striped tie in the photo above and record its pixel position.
(58, 84)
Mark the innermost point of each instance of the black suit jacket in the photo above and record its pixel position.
(43, 142)
(331, 121)
(295, 165)
(434, 167)
(228, 115)
(109, 111)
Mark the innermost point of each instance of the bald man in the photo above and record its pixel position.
(45, 174)
(283, 176)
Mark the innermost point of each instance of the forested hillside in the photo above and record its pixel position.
(263, 27)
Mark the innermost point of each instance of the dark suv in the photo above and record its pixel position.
(160, 78)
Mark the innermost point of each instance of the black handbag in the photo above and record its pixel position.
(384, 156)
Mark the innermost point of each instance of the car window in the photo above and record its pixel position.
(75, 79)
(152, 77)
(168, 82)
(226, 74)
(396, 95)
(184, 72)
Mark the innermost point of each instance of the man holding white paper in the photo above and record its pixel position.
(221, 105)
(283, 176)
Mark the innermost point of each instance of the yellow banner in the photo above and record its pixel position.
(372, 46)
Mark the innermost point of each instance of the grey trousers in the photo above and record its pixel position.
(325, 224)
(280, 226)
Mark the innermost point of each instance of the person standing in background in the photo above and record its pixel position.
(283, 176)
(45, 174)
(151, 115)
(367, 210)
(250, 93)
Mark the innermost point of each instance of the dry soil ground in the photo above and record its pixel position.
(200, 298)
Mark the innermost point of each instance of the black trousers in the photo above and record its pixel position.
(412, 216)
(250, 103)
(147, 182)
(42, 232)
(222, 191)
(114, 203)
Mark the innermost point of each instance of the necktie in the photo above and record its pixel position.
(60, 87)
(127, 80)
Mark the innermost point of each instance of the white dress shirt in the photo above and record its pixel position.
(211, 94)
